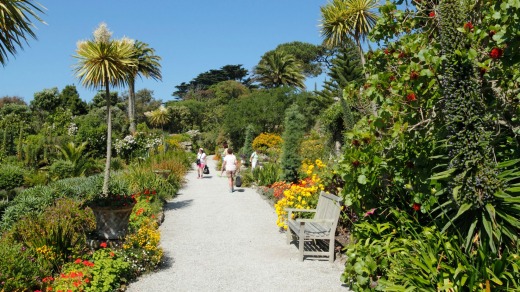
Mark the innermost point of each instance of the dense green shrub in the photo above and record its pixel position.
(268, 174)
(58, 234)
(109, 272)
(19, 269)
(61, 169)
(11, 176)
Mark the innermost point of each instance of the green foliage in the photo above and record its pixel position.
(108, 272)
(61, 169)
(292, 137)
(69, 99)
(268, 174)
(58, 234)
(308, 54)
(247, 149)
(46, 100)
(18, 269)
(279, 69)
(312, 147)
(11, 176)
(205, 80)
(346, 68)
(367, 255)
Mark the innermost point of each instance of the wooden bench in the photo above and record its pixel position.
(322, 226)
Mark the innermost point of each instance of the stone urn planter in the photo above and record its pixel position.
(112, 222)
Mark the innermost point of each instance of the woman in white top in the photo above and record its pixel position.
(230, 165)
(253, 159)
(201, 156)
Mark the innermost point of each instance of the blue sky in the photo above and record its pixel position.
(191, 36)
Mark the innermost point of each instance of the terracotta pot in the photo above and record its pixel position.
(112, 223)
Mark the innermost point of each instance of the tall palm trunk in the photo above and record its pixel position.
(361, 54)
(131, 106)
(106, 179)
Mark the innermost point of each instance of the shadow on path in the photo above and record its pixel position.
(176, 205)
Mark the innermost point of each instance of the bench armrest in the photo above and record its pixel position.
(315, 220)
(300, 210)
(291, 210)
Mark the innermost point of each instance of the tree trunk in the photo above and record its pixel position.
(19, 146)
(106, 179)
(361, 55)
(373, 106)
(131, 106)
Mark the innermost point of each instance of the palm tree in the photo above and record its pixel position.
(279, 69)
(103, 62)
(159, 117)
(147, 66)
(75, 154)
(15, 24)
(343, 18)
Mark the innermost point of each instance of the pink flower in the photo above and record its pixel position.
(370, 212)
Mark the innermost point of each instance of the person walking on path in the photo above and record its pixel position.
(253, 159)
(201, 157)
(230, 166)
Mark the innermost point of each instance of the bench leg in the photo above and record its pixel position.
(301, 240)
(288, 234)
(331, 249)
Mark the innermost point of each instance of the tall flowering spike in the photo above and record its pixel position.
(102, 34)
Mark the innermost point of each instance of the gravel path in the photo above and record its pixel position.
(215, 240)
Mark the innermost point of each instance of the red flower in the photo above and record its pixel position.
(78, 261)
(112, 254)
(496, 53)
(77, 284)
(416, 206)
(392, 78)
(414, 75)
(87, 280)
(468, 26)
(491, 33)
(356, 142)
(411, 97)
(432, 14)
(356, 163)
(401, 55)
(386, 51)
(103, 245)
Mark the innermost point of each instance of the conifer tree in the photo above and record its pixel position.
(292, 137)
